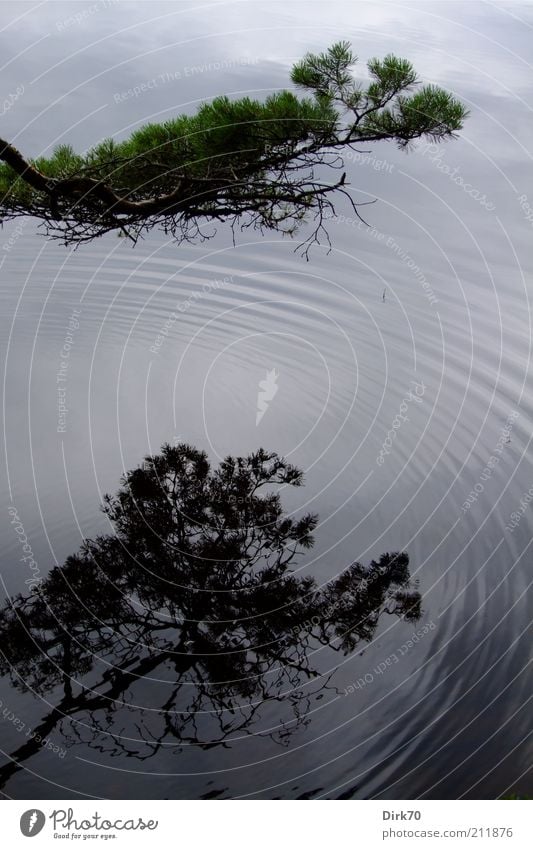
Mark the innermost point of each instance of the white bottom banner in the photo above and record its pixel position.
(251, 824)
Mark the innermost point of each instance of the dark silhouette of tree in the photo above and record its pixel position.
(244, 161)
(194, 595)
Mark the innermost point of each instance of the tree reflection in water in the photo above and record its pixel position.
(189, 618)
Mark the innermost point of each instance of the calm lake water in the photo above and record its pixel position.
(450, 716)
(395, 371)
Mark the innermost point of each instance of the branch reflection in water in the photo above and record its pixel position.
(178, 628)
